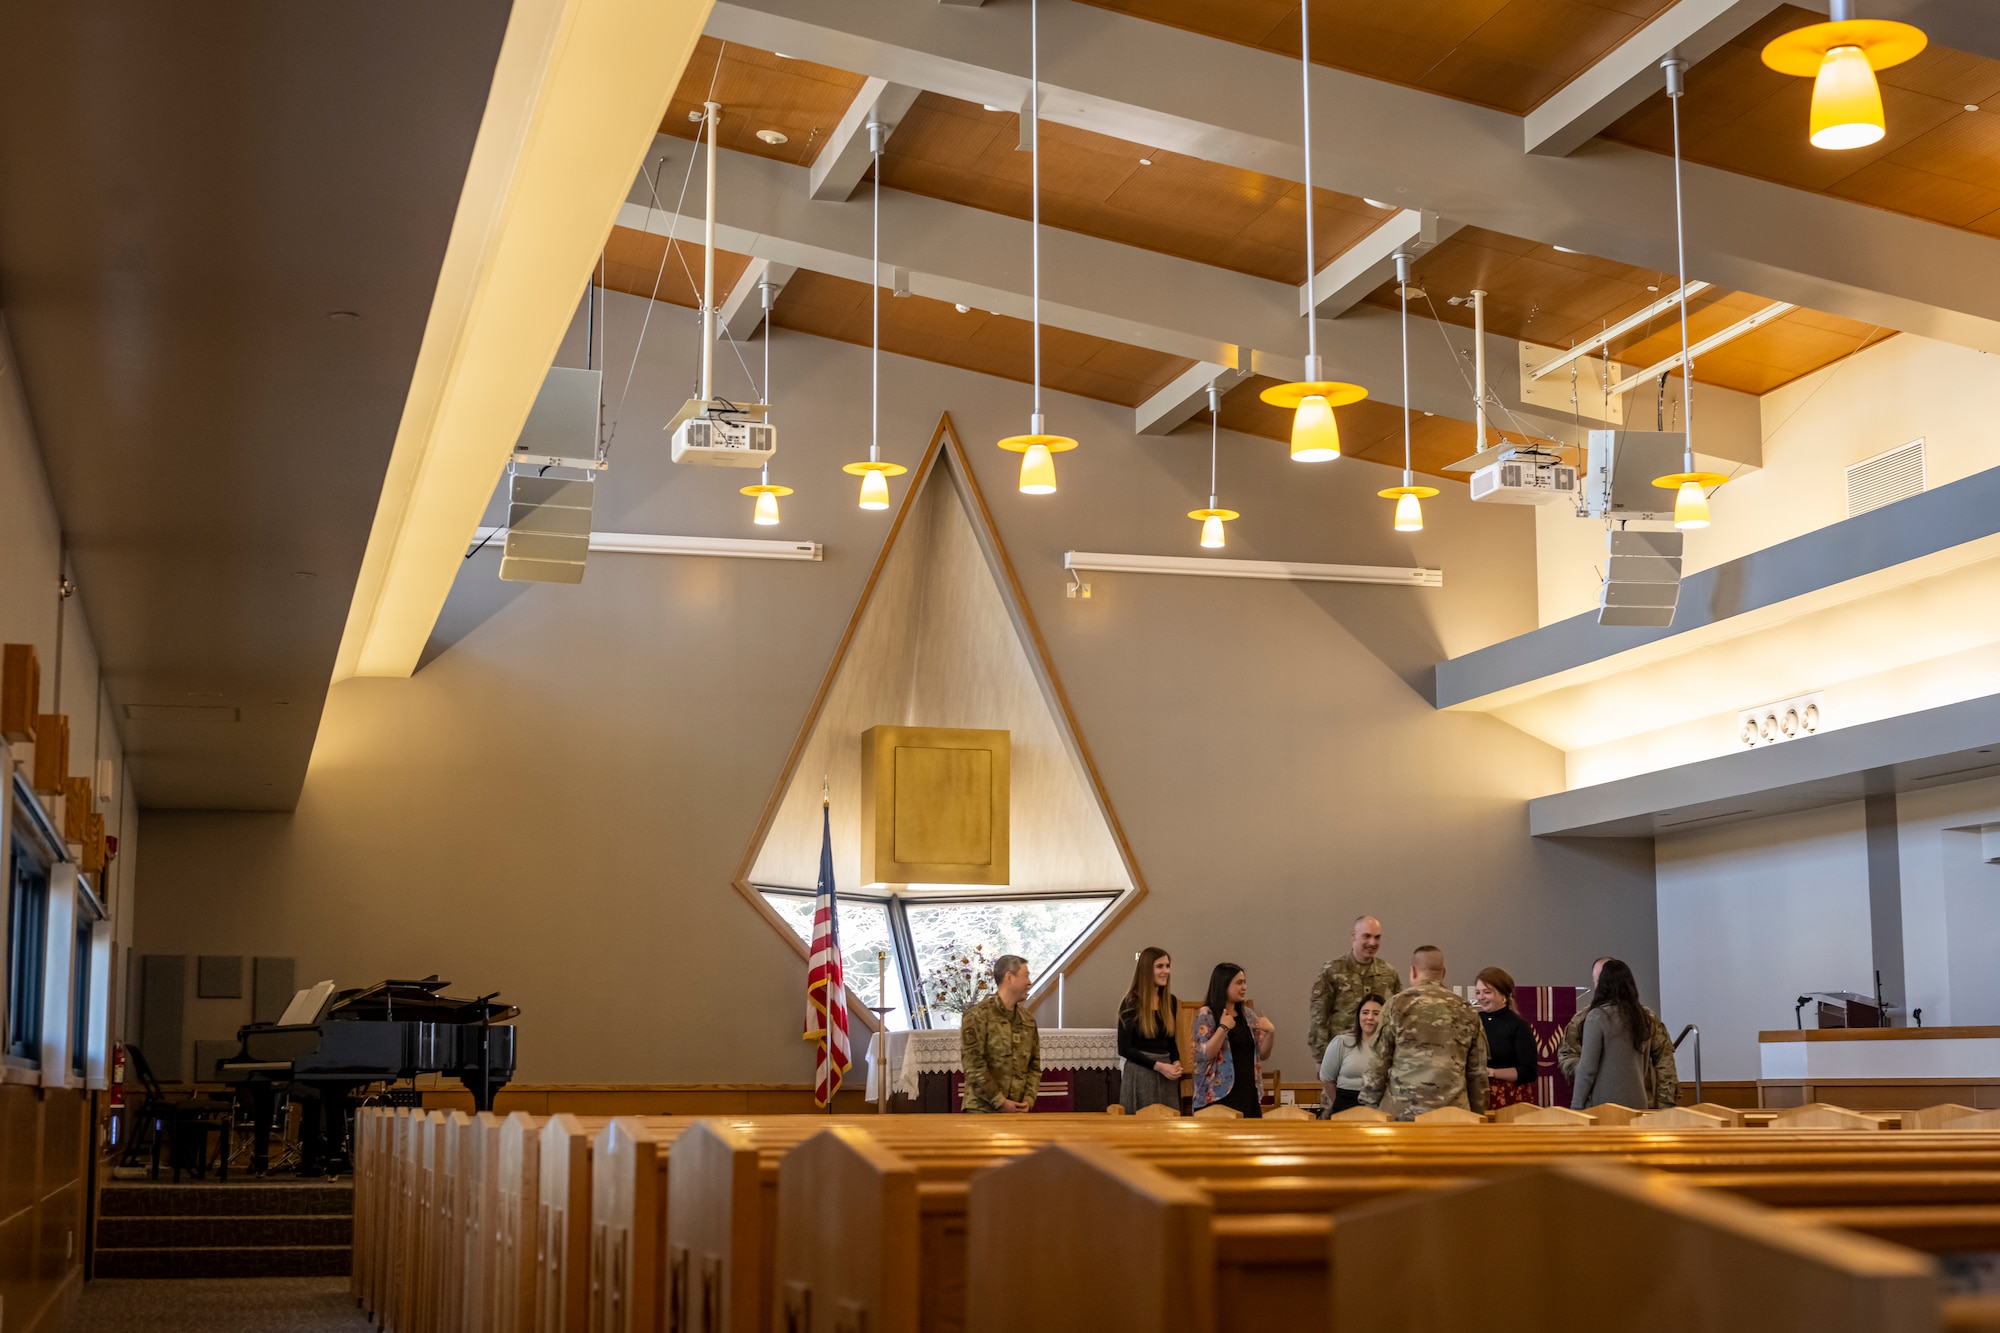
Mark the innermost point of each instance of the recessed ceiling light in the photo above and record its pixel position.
(782, 56)
(1972, 106)
(990, 107)
(1565, 250)
(1376, 203)
(1652, 286)
(1430, 414)
(773, 137)
(962, 309)
(1145, 161)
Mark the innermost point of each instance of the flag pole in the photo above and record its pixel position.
(826, 1038)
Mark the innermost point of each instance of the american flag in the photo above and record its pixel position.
(826, 979)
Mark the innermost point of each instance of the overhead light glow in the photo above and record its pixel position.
(1038, 470)
(1846, 101)
(1315, 434)
(765, 514)
(1376, 203)
(1409, 514)
(874, 491)
(1690, 507)
(1211, 531)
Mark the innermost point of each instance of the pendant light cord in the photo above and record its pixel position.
(1404, 276)
(1312, 305)
(1676, 74)
(1035, 184)
(1214, 433)
(875, 303)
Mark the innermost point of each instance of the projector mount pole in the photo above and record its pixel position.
(713, 114)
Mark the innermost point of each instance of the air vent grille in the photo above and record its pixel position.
(1885, 478)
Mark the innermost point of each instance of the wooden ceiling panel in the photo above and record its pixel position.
(976, 340)
(1100, 186)
(1938, 161)
(760, 90)
(1506, 54)
(1542, 295)
(637, 263)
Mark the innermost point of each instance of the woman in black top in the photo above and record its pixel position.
(1148, 1028)
(1510, 1041)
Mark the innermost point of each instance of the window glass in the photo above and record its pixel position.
(79, 1001)
(864, 929)
(27, 938)
(956, 942)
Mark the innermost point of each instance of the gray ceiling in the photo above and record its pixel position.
(187, 192)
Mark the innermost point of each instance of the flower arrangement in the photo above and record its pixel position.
(960, 978)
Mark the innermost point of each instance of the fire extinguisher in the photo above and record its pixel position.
(117, 1099)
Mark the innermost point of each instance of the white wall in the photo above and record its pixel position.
(1951, 903)
(1754, 915)
(1814, 428)
(30, 555)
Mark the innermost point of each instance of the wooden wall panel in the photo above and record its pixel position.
(936, 648)
(42, 1142)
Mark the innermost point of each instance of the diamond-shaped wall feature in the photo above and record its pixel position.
(942, 638)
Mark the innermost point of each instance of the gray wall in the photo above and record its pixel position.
(555, 803)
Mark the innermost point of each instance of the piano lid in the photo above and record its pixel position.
(414, 1001)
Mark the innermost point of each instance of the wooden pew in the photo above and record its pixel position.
(562, 1228)
(516, 1224)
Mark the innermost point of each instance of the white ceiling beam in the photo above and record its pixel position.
(1371, 261)
(743, 309)
(1223, 102)
(1706, 345)
(1170, 408)
(1587, 104)
(843, 158)
(953, 252)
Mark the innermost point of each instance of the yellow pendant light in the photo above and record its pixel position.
(1841, 58)
(765, 512)
(1037, 448)
(1315, 434)
(1689, 486)
(1409, 497)
(1213, 518)
(874, 473)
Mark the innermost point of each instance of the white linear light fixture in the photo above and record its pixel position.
(1217, 567)
(1689, 486)
(646, 543)
(1590, 345)
(1714, 340)
(1037, 448)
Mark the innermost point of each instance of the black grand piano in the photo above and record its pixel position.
(374, 1034)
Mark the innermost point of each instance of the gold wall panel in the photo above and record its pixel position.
(934, 805)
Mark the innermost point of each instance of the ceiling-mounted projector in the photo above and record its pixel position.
(724, 441)
(1525, 477)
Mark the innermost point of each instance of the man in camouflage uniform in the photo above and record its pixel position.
(1666, 1076)
(1336, 995)
(1430, 1049)
(999, 1046)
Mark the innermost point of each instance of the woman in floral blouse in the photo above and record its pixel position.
(1231, 1043)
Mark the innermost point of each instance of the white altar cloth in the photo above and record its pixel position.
(935, 1051)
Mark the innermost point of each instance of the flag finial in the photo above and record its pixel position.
(824, 799)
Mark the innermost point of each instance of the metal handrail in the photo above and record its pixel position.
(1697, 1057)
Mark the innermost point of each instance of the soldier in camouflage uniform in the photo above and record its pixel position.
(1430, 1049)
(1666, 1075)
(1336, 995)
(999, 1046)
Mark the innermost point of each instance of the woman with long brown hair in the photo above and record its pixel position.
(1148, 1035)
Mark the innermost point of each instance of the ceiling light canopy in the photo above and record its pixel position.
(1315, 433)
(1841, 58)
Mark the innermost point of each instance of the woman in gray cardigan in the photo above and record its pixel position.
(1616, 1045)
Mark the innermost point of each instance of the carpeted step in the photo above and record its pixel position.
(212, 1199)
(233, 1261)
(170, 1233)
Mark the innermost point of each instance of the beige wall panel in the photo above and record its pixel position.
(557, 803)
(936, 648)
